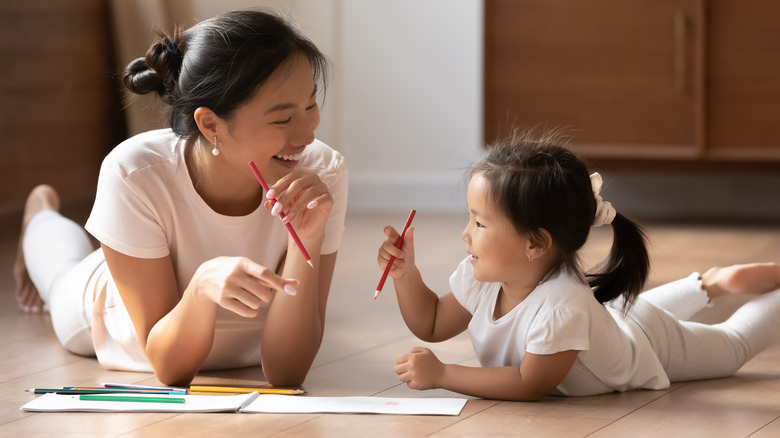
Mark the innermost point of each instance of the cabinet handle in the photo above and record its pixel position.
(680, 74)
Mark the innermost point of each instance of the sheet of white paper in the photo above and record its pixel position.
(193, 403)
(271, 403)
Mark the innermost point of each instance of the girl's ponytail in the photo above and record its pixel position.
(624, 272)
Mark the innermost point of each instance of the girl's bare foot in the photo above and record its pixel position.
(40, 198)
(752, 279)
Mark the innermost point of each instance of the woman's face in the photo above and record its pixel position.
(497, 252)
(277, 123)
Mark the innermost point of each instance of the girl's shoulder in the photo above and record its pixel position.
(469, 291)
(563, 289)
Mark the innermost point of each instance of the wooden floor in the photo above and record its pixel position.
(363, 338)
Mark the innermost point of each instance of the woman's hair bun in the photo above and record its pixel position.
(158, 71)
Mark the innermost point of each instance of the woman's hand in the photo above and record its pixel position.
(239, 284)
(419, 369)
(305, 201)
(404, 257)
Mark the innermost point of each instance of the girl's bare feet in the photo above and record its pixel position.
(40, 198)
(753, 279)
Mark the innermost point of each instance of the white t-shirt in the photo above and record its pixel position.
(147, 207)
(560, 314)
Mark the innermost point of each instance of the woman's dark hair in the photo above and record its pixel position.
(540, 184)
(218, 64)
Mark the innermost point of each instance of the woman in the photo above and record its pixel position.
(192, 274)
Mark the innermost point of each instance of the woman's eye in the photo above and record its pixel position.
(479, 224)
(311, 107)
(283, 122)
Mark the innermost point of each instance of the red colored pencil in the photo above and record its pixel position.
(281, 216)
(392, 259)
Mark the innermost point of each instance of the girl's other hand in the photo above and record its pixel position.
(404, 257)
(239, 284)
(305, 201)
(420, 369)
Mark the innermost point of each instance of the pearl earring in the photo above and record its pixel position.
(215, 151)
(530, 259)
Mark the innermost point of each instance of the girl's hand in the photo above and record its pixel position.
(305, 201)
(404, 257)
(239, 284)
(419, 369)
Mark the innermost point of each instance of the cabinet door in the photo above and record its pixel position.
(622, 77)
(743, 82)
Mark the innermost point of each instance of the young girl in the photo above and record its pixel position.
(538, 324)
(193, 272)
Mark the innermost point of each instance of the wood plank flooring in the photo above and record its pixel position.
(363, 338)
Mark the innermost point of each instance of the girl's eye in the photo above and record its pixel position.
(311, 107)
(479, 224)
(283, 122)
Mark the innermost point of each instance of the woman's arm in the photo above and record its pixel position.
(176, 331)
(295, 324)
(537, 376)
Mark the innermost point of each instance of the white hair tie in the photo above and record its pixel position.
(605, 213)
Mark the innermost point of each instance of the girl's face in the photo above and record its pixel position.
(497, 252)
(276, 125)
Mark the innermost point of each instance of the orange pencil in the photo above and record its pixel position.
(392, 259)
(281, 215)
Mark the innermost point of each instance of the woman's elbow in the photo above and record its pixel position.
(285, 377)
(169, 376)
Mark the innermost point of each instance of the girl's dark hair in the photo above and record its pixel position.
(540, 184)
(218, 64)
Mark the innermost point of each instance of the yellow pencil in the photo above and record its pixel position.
(246, 390)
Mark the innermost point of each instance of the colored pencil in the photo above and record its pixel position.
(120, 398)
(246, 390)
(144, 387)
(282, 215)
(71, 391)
(398, 244)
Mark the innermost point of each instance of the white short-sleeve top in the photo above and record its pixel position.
(560, 314)
(146, 206)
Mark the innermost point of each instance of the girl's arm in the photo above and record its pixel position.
(537, 376)
(429, 317)
(176, 331)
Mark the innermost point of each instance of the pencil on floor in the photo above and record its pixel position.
(121, 398)
(241, 390)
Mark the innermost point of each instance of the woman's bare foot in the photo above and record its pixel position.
(752, 279)
(40, 198)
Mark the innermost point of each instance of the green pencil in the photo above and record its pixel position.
(120, 398)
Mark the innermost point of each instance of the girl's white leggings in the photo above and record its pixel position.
(62, 264)
(690, 350)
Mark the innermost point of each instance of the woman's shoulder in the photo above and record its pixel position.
(144, 150)
(322, 158)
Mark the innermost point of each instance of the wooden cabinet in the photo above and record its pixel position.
(682, 80)
(59, 98)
